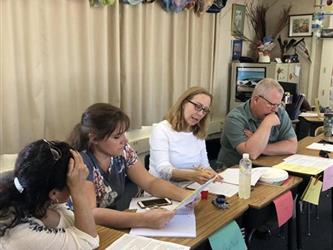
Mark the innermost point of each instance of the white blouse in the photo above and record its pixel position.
(170, 149)
(34, 235)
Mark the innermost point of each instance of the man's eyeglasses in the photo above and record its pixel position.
(198, 107)
(273, 105)
(56, 152)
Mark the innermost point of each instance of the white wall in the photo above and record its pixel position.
(310, 74)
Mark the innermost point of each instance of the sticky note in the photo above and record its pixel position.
(312, 192)
(228, 237)
(284, 207)
(328, 178)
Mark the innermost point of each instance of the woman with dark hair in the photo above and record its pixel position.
(177, 144)
(100, 136)
(33, 214)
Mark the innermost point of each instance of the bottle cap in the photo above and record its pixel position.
(246, 156)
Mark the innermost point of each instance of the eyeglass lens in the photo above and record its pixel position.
(270, 103)
(198, 107)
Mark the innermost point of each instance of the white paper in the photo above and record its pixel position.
(309, 161)
(194, 194)
(230, 184)
(181, 225)
(219, 188)
(321, 146)
(222, 188)
(132, 242)
(231, 176)
(310, 114)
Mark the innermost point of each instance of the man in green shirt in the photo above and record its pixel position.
(259, 126)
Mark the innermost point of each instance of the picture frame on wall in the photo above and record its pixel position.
(300, 25)
(236, 49)
(237, 19)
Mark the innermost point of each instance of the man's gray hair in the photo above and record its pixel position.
(266, 85)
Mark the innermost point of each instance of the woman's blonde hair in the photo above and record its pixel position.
(175, 115)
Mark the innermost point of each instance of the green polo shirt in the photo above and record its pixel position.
(240, 118)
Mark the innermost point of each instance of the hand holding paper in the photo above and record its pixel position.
(157, 218)
(196, 193)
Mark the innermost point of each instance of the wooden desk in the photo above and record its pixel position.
(263, 194)
(273, 160)
(107, 236)
(302, 144)
(261, 207)
(208, 220)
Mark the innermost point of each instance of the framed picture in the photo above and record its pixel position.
(236, 49)
(326, 33)
(300, 25)
(237, 19)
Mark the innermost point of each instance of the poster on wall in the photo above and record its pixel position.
(236, 49)
(237, 19)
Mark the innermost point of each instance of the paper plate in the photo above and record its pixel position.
(273, 175)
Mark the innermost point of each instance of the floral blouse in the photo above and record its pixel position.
(110, 185)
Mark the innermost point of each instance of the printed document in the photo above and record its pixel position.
(230, 184)
(181, 225)
(130, 242)
(309, 161)
(321, 146)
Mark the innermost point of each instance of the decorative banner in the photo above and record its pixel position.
(228, 238)
(312, 192)
(284, 207)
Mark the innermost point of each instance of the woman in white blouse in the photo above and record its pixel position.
(177, 144)
(32, 210)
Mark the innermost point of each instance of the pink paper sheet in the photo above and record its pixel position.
(284, 207)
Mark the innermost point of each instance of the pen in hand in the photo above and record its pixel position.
(205, 174)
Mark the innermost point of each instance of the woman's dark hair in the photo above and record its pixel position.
(101, 119)
(40, 167)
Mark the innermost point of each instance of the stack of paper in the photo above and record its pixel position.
(137, 242)
(181, 225)
(321, 146)
(305, 164)
(230, 183)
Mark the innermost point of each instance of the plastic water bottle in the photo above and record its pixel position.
(328, 126)
(245, 167)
